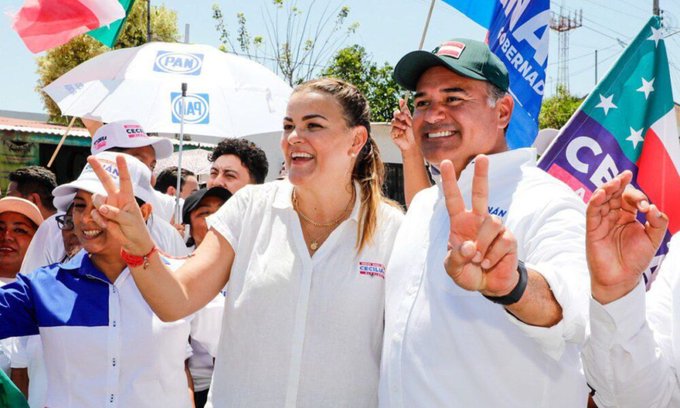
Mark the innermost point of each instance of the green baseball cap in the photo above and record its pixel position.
(463, 56)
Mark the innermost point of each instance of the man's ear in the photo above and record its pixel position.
(504, 106)
(360, 135)
(35, 199)
(146, 211)
(171, 191)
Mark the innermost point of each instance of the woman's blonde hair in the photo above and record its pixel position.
(369, 170)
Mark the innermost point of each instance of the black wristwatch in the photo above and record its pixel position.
(516, 294)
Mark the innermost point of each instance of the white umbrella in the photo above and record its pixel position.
(228, 96)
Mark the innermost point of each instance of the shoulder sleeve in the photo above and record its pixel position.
(550, 232)
(17, 352)
(229, 220)
(626, 362)
(17, 311)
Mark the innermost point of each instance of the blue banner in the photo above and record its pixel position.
(479, 11)
(518, 35)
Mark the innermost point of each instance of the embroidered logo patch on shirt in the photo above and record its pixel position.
(372, 269)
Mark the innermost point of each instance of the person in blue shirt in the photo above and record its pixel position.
(103, 344)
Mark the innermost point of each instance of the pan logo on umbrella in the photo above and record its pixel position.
(178, 63)
(197, 108)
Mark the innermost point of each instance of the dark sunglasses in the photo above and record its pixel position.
(65, 222)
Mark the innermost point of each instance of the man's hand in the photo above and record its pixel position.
(402, 129)
(482, 253)
(618, 247)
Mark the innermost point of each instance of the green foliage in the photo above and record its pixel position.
(353, 65)
(60, 60)
(556, 110)
(298, 42)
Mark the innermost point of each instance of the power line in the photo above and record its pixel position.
(598, 24)
(601, 33)
(635, 6)
(616, 54)
(614, 9)
(589, 54)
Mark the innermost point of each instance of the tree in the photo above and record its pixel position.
(297, 44)
(353, 65)
(60, 60)
(556, 110)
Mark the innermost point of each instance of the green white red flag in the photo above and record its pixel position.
(45, 24)
(627, 123)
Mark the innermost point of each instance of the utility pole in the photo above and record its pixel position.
(563, 24)
(148, 21)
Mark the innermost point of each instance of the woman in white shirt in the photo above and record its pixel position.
(304, 257)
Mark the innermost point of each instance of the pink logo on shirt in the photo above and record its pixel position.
(372, 269)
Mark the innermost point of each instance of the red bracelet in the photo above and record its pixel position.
(136, 260)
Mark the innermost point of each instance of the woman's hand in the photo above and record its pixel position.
(118, 212)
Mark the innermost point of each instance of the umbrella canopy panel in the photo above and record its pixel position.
(228, 96)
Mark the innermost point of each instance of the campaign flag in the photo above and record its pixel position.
(518, 35)
(108, 35)
(44, 24)
(626, 123)
(479, 11)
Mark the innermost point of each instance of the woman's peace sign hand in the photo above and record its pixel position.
(118, 212)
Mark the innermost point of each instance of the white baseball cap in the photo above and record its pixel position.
(140, 176)
(23, 207)
(128, 134)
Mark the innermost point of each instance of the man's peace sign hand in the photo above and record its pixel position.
(482, 253)
(118, 211)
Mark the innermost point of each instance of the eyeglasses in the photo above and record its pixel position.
(65, 222)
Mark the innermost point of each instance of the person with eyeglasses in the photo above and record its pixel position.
(102, 343)
(71, 243)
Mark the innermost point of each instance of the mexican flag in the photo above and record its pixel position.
(45, 24)
(627, 123)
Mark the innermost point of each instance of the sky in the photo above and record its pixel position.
(388, 30)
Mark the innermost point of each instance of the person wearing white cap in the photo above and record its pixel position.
(28, 353)
(127, 136)
(103, 344)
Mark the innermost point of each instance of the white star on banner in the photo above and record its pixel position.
(635, 137)
(656, 36)
(606, 103)
(647, 87)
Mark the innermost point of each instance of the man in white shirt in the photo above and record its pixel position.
(631, 355)
(486, 300)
